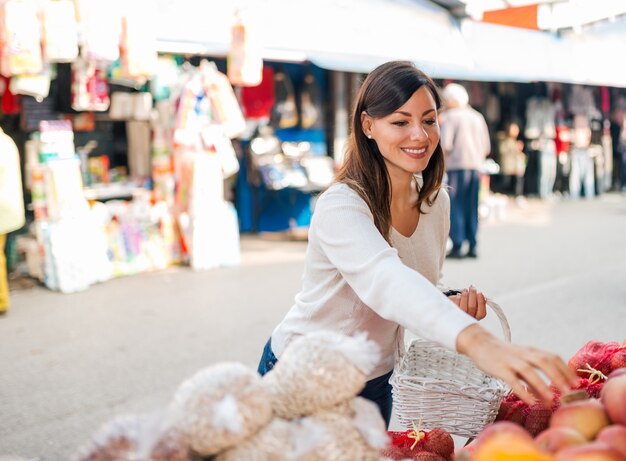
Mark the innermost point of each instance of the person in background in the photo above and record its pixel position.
(12, 214)
(377, 244)
(618, 141)
(512, 161)
(465, 142)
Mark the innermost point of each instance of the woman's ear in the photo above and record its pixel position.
(366, 124)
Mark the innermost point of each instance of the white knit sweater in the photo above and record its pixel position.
(354, 281)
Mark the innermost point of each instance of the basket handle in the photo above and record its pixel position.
(495, 307)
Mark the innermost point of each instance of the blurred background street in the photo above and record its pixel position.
(160, 163)
(71, 362)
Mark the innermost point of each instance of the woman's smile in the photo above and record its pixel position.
(414, 152)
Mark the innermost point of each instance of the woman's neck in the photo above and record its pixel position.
(403, 192)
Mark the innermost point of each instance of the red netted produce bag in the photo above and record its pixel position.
(600, 356)
(535, 418)
(420, 445)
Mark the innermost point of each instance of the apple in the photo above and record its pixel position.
(613, 396)
(587, 417)
(614, 436)
(594, 451)
(554, 439)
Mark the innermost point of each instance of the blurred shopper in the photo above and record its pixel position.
(581, 173)
(465, 142)
(540, 132)
(618, 135)
(11, 206)
(512, 161)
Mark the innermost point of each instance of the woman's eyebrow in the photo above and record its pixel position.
(408, 114)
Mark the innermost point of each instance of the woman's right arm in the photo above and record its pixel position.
(344, 229)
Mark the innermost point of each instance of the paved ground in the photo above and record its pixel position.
(71, 362)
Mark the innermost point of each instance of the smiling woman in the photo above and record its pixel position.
(377, 245)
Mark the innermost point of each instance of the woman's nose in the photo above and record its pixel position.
(419, 132)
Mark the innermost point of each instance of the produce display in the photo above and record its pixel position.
(586, 424)
(307, 409)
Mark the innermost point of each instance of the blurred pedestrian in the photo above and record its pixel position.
(466, 145)
(11, 206)
(512, 161)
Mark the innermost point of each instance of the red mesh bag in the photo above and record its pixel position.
(419, 445)
(536, 418)
(598, 356)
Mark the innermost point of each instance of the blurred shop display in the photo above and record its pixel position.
(138, 152)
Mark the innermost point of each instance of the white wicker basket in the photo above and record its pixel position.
(435, 387)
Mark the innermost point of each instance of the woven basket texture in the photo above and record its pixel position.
(434, 387)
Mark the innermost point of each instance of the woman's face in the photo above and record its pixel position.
(407, 137)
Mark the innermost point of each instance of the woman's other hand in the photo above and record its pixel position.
(472, 302)
(524, 369)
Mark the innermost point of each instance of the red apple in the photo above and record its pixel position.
(554, 439)
(614, 436)
(587, 417)
(594, 451)
(613, 397)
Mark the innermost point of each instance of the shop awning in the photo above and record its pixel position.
(502, 53)
(346, 35)
(358, 35)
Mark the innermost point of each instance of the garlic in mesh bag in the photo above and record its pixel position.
(318, 437)
(135, 438)
(272, 443)
(221, 406)
(367, 420)
(320, 370)
(328, 435)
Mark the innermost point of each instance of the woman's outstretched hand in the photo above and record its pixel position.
(472, 302)
(520, 367)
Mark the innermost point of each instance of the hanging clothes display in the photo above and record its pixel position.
(21, 51)
(257, 101)
(285, 114)
(311, 106)
(208, 116)
(244, 61)
(60, 31)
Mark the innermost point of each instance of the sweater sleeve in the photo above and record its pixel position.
(345, 230)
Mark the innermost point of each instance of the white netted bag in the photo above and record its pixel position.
(117, 439)
(221, 406)
(329, 435)
(318, 371)
(132, 437)
(272, 443)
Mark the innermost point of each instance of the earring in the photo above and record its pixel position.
(369, 136)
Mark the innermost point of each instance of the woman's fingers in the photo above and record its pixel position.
(481, 313)
(472, 301)
(528, 370)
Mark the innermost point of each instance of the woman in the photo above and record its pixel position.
(377, 244)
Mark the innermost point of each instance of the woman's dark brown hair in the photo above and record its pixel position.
(384, 90)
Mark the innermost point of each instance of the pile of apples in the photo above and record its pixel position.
(591, 429)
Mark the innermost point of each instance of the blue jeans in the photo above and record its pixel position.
(378, 390)
(464, 187)
(581, 173)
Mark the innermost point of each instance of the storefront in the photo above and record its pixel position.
(144, 150)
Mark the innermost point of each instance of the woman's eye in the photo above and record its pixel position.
(399, 123)
(430, 121)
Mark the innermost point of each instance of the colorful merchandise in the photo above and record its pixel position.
(60, 31)
(21, 38)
